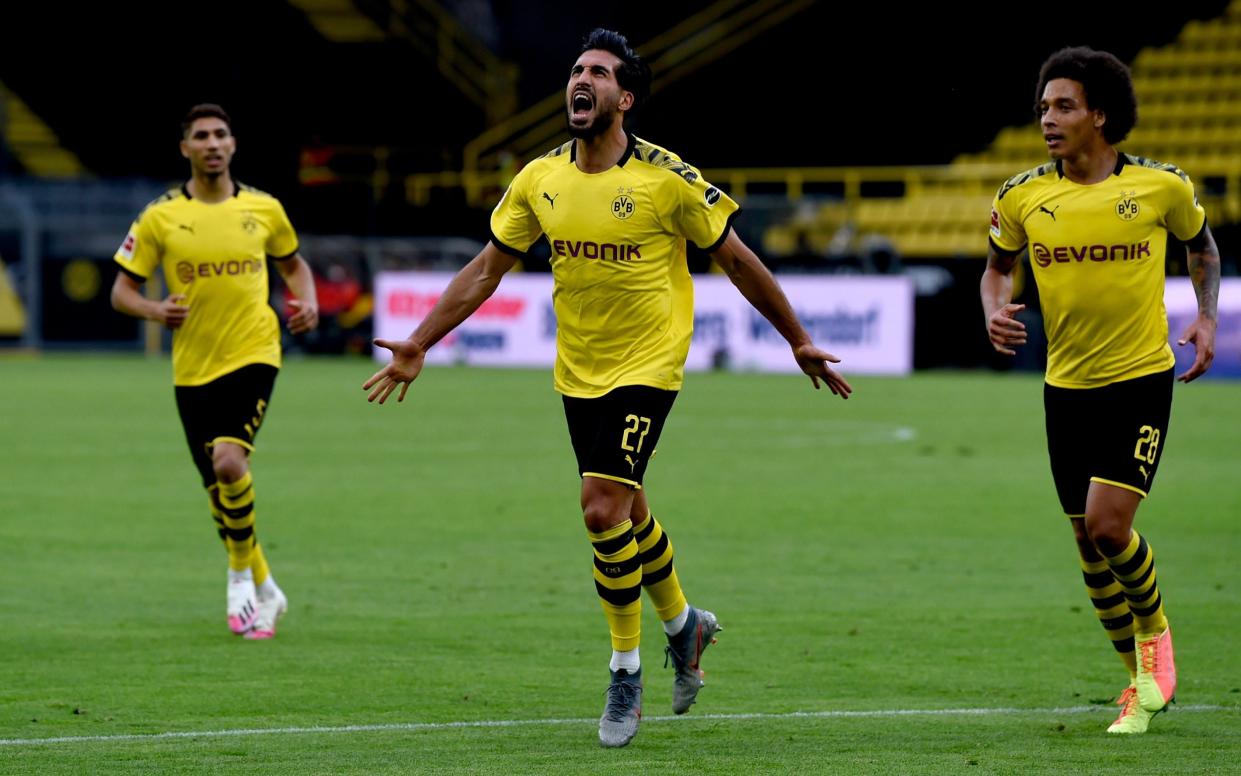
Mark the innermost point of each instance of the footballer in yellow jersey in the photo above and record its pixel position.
(618, 213)
(212, 237)
(1098, 255)
(622, 292)
(214, 256)
(1095, 222)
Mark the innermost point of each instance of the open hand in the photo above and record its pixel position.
(1202, 334)
(813, 362)
(407, 360)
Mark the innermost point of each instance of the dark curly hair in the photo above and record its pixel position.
(633, 75)
(1106, 81)
(205, 110)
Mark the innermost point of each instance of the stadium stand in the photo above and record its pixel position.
(1189, 94)
(36, 147)
(373, 120)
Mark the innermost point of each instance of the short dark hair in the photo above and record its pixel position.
(205, 110)
(1106, 80)
(633, 75)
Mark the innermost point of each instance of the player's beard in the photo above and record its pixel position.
(602, 123)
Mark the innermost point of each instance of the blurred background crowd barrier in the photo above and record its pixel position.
(865, 154)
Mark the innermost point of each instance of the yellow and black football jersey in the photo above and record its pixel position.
(1098, 254)
(622, 292)
(216, 255)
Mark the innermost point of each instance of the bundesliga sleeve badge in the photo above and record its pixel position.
(127, 247)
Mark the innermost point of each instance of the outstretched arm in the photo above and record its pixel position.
(996, 288)
(759, 287)
(472, 286)
(298, 277)
(1203, 262)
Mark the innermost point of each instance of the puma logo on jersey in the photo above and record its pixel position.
(632, 463)
(189, 228)
(552, 200)
(1051, 212)
(1145, 475)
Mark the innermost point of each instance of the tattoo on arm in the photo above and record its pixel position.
(1203, 263)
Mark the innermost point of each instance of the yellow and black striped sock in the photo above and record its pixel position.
(213, 494)
(237, 506)
(618, 580)
(1135, 571)
(658, 575)
(1112, 609)
(258, 563)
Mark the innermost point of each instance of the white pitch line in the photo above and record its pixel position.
(505, 723)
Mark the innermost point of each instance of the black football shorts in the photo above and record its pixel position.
(1113, 435)
(614, 435)
(230, 408)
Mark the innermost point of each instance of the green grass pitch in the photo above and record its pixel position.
(883, 565)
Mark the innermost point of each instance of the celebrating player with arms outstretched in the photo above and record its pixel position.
(617, 212)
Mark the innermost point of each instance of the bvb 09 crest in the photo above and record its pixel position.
(623, 206)
(1127, 206)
